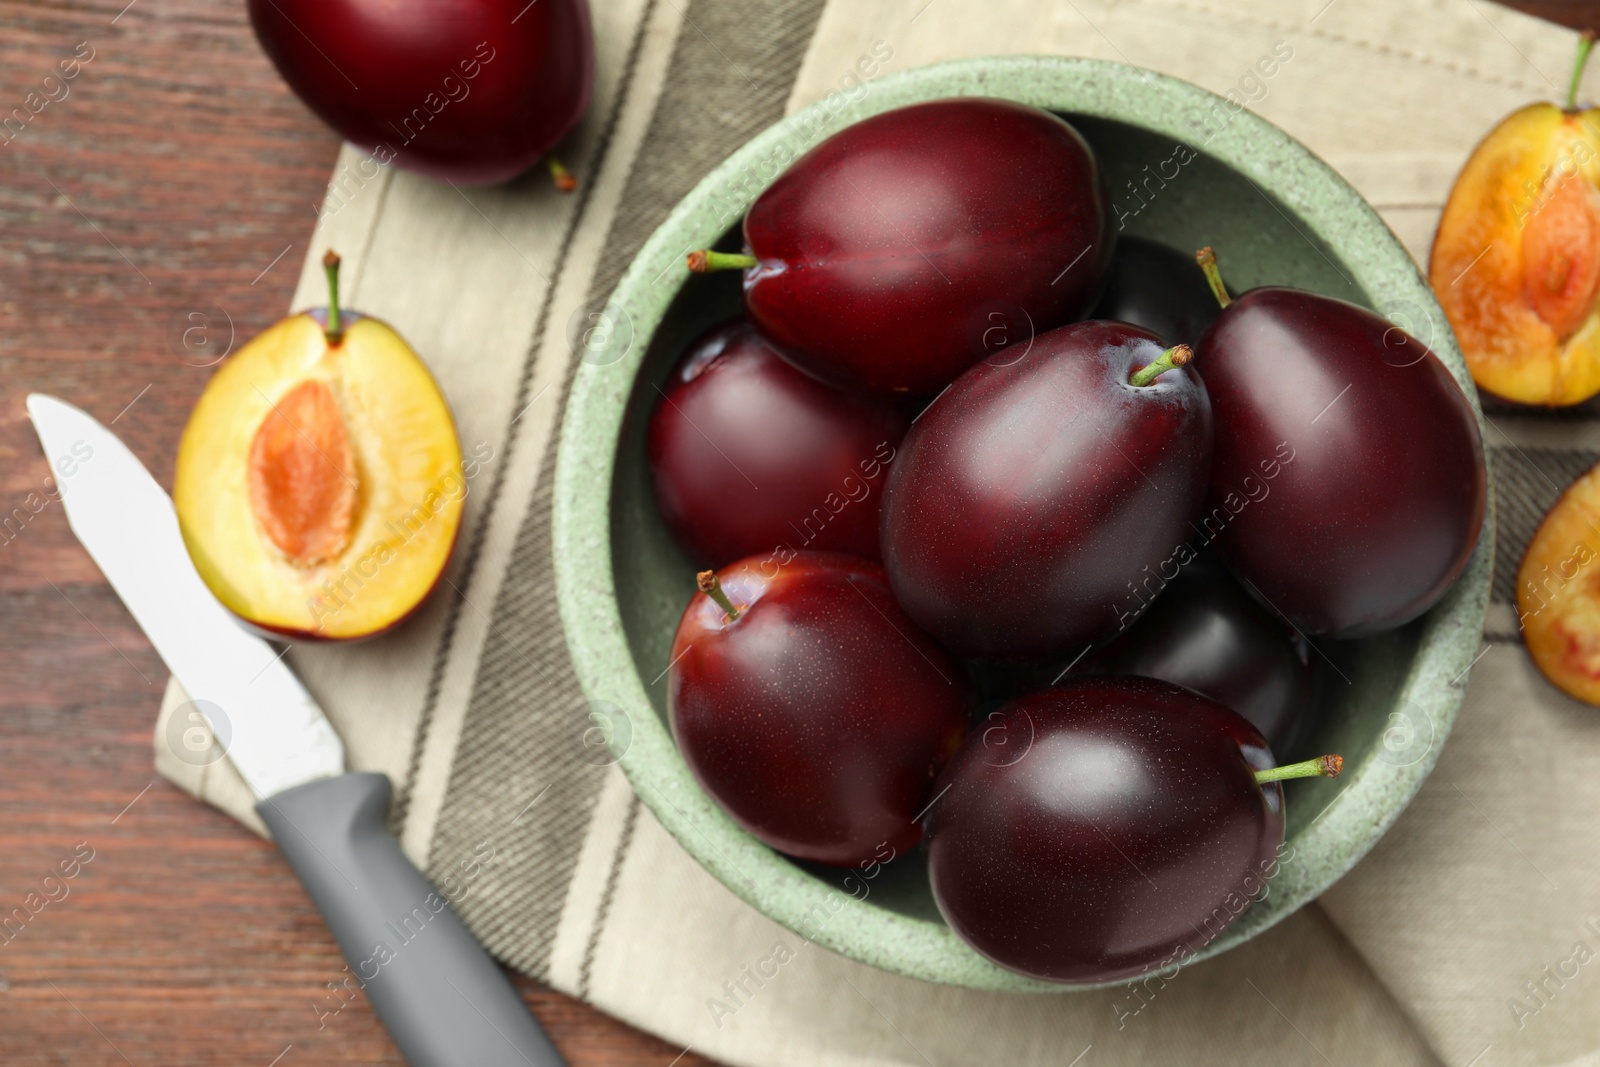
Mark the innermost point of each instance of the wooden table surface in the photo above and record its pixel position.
(175, 175)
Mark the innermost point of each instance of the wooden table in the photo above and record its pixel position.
(177, 174)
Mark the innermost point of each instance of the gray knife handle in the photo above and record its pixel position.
(443, 1000)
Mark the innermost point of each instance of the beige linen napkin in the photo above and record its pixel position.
(1468, 937)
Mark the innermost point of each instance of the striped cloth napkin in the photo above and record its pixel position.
(1468, 937)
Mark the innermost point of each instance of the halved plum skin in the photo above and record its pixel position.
(886, 250)
(1516, 261)
(1558, 591)
(748, 454)
(818, 717)
(294, 536)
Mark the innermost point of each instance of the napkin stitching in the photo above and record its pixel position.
(1376, 47)
(613, 876)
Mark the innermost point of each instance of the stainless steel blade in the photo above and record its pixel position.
(273, 730)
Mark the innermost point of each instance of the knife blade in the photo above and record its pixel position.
(442, 998)
(279, 737)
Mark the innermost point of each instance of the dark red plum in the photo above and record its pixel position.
(811, 708)
(467, 91)
(1348, 487)
(1029, 499)
(1105, 828)
(886, 256)
(748, 455)
(1152, 285)
(1206, 633)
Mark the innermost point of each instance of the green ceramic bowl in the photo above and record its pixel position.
(1278, 214)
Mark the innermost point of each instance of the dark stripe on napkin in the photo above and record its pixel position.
(731, 73)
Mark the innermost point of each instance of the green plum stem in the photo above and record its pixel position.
(706, 261)
(335, 329)
(1176, 356)
(1321, 767)
(1207, 258)
(712, 588)
(560, 175)
(1585, 46)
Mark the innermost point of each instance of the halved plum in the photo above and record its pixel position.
(1516, 260)
(319, 482)
(1558, 591)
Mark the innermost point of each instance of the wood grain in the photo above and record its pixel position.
(175, 178)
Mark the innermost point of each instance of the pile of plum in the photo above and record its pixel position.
(1031, 590)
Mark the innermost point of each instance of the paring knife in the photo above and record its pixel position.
(444, 1001)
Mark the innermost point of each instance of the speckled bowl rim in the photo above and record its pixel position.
(1321, 202)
